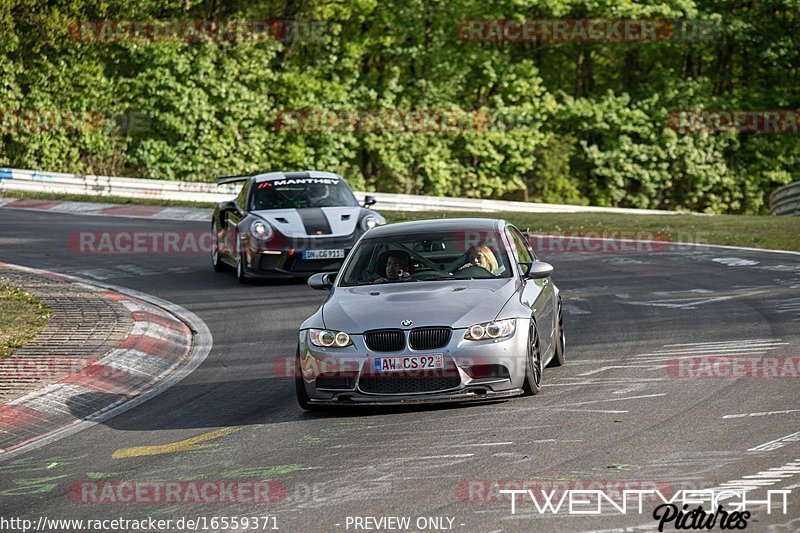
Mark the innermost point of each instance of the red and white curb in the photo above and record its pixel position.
(109, 210)
(165, 345)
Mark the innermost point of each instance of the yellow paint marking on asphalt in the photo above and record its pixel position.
(185, 445)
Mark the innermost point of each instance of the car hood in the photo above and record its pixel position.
(427, 303)
(340, 221)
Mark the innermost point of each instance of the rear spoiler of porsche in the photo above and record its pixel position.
(233, 179)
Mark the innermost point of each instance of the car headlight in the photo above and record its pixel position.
(496, 329)
(261, 230)
(369, 222)
(327, 338)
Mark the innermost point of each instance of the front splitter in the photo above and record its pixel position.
(461, 396)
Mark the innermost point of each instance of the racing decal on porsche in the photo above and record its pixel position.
(305, 181)
(314, 221)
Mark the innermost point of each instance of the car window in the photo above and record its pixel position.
(440, 256)
(523, 253)
(298, 193)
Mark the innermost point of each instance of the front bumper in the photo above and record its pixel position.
(286, 262)
(481, 370)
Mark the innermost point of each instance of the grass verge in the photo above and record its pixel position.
(23, 318)
(780, 233)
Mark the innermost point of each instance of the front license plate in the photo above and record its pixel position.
(410, 362)
(323, 254)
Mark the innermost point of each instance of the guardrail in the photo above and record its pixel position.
(785, 200)
(100, 186)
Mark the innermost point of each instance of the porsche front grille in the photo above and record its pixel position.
(385, 340)
(429, 338)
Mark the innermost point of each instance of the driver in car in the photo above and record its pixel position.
(398, 266)
(483, 257)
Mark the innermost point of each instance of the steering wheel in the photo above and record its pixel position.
(457, 263)
(473, 271)
(427, 275)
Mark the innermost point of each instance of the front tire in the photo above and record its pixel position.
(216, 260)
(241, 275)
(533, 364)
(561, 343)
(300, 386)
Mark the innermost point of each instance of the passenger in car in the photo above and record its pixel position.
(483, 257)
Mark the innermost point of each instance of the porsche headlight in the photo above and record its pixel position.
(496, 329)
(261, 230)
(369, 222)
(327, 338)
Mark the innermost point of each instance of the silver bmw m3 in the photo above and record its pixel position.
(431, 311)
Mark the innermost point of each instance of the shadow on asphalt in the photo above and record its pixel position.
(235, 403)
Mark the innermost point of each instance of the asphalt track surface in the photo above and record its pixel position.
(612, 413)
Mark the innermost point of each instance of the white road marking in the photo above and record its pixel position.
(454, 456)
(712, 343)
(633, 387)
(777, 443)
(704, 351)
(609, 400)
(734, 261)
(485, 444)
(694, 291)
(614, 382)
(763, 413)
(613, 367)
(765, 478)
(604, 411)
(691, 304)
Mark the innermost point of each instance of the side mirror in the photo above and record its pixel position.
(369, 200)
(229, 206)
(322, 281)
(537, 270)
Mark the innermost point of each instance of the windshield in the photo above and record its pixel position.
(428, 257)
(302, 192)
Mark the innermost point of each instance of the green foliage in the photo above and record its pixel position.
(570, 122)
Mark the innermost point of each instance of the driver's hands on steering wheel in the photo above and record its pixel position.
(403, 275)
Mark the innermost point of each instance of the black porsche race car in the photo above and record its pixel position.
(288, 224)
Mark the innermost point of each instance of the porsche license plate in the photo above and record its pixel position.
(323, 254)
(410, 362)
